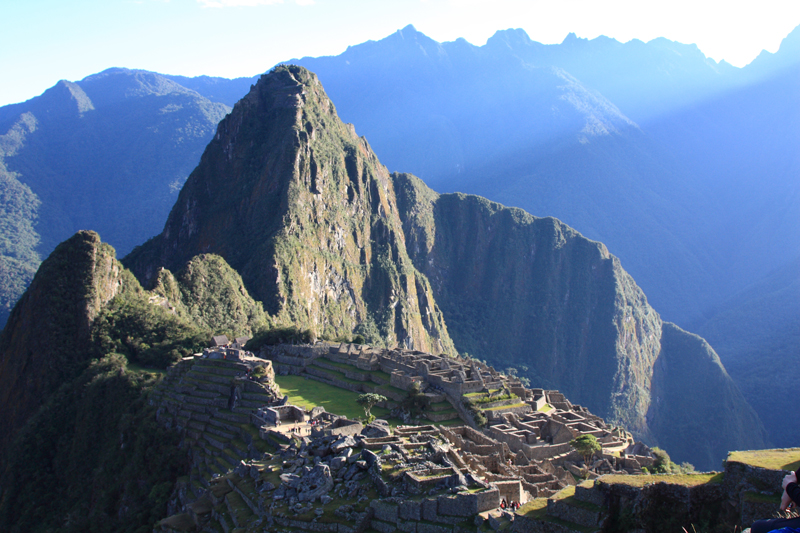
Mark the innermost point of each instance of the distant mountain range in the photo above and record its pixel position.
(685, 168)
(108, 153)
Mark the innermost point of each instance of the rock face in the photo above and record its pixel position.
(46, 340)
(300, 206)
(518, 290)
(694, 400)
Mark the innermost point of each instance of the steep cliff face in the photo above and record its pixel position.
(533, 293)
(524, 291)
(46, 340)
(301, 207)
(697, 412)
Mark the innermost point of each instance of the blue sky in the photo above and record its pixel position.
(42, 41)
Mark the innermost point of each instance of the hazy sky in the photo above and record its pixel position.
(42, 41)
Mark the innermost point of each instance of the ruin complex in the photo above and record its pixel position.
(484, 445)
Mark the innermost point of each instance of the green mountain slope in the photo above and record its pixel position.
(81, 449)
(696, 409)
(209, 293)
(46, 342)
(299, 205)
(93, 458)
(108, 153)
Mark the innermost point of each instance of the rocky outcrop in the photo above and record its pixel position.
(301, 207)
(46, 340)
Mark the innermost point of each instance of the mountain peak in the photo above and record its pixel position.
(408, 30)
(512, 37)
(115, 85)
(301, 207)
(65, 98)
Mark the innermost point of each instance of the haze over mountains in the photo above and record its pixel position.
(108, 153)
(686, 169)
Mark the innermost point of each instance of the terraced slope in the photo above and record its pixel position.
(196, 396)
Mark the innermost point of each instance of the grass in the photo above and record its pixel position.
(546, 408)
(341, 377)
(391, 388)
(501, 407)
(451, 422)
(687, 480)
(757, 497)
(133, 367)
(568, 494)
(532, 506)
(775, 459)
(379, 375)
(536, 509)
(477, 394)
(308, 394)
(345, 367)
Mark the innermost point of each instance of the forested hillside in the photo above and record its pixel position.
(108, 153)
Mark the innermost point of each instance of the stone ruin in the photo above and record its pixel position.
(459, 471)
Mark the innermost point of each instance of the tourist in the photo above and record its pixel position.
(503, 504)
(790, 499)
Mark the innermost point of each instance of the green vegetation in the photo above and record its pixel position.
(586, 446)
(368, 401)
(146, 334)
(687, 480)
(417, 402)
(776, 459)
(96, 440)
(477, 415)
(341, 268)
(87, 164)
(279, 335)
(18, 240)
(309, 394)
(211, 294)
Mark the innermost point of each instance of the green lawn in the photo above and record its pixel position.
(777, 459)
(133, 367)
(308, 393)
(501, 407)
(343, 366)
(688, 480)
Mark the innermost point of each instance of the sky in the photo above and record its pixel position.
(43, 41)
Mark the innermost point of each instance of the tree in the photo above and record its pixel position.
(587, 446)
(662, 464)
(368, 401)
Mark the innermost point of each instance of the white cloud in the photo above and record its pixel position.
(248, 3)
